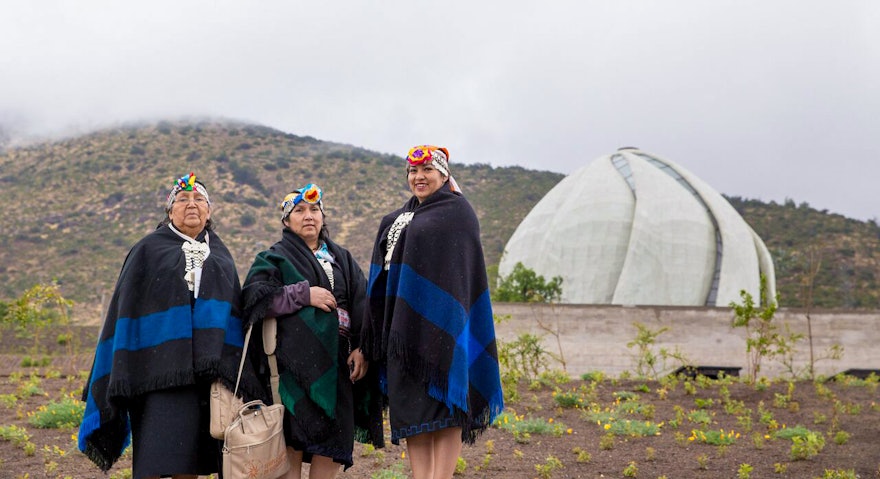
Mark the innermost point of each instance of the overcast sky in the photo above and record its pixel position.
(761, 99)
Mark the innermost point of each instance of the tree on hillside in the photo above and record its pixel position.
(38, 308)
(523, 285)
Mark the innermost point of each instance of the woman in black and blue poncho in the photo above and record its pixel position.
(317, 292)
(171, 329)
(431, 330)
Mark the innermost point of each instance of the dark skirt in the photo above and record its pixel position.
(337, 436)
(411, 410)
(170, 433)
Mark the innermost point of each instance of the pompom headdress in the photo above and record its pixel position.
(186, 183)
(311, 194)
(437, 156)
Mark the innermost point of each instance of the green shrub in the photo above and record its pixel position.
(523, 285)
(839, 474)
(807, 446)
(393, 472)
(568, 399)
(792, 432)
(66, 413)
(546, 469)
(18, 436)
(699, 417)
(595, 376)
(460, 466)
(522, 428)
(713, 437)
(29, 362)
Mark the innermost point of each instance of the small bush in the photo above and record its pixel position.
(568, 399)
(393, 472)
(715, 438)
(744, 471)
(703, 462)
(18, 436)
(29, 362)
(607, 442)
(66, 413)
(460, 466)
(807, 446)
(546, 469)
(840, 474)
(582, 455)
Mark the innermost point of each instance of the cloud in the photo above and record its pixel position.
(770, 100)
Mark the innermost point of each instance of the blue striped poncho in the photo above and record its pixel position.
(156, 336)
(430, 312)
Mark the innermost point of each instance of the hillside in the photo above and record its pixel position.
(73, 207)
(840, 254)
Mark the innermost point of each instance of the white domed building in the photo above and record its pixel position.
(633, 229)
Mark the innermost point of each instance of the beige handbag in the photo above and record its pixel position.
(253, 444)
(225, 404)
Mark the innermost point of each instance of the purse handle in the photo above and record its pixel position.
(269, 337)
(247, 340)
(269, 342)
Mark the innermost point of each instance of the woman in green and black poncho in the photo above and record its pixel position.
(317, 292)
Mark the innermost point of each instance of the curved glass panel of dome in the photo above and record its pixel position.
(622, 166)
(719, 246)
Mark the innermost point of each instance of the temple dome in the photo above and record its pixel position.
(634, 229)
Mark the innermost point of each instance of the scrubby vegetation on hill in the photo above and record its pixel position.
(822, 259)
(73, 207)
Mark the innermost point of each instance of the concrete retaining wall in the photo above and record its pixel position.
(594, 338)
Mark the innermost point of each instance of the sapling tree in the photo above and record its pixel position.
(523, 285)
(650, 363)
(38, 308)
(762, 338)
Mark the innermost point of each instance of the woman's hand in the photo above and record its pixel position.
(357, 365)
(321, 299)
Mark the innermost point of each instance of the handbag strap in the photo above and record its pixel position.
(269, 342)
(269, 337)
(247, 339)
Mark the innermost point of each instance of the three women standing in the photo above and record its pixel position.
(317, 292)
(431, 331)
(172, 328)
(428, 330)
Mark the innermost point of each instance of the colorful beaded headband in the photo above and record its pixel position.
(311, 193)
(186, 183)
(439, 157)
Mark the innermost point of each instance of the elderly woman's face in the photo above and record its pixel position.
(190, 212)
(424, 180)
(306, 220)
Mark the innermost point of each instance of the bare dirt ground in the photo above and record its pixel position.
(851, 407)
